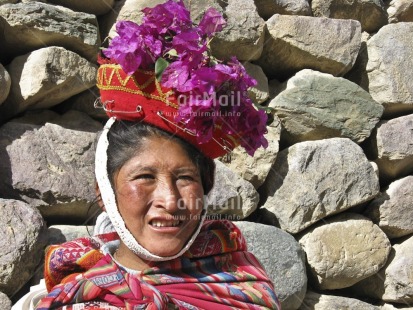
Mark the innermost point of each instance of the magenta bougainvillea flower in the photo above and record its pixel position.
(211, 91)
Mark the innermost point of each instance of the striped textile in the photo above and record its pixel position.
(217, 272)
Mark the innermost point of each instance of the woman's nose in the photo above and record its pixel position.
(166, 195)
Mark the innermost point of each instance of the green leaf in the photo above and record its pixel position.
(268, 110)
(172, 52)
(160, 66)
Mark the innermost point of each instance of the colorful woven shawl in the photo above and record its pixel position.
(215, 273)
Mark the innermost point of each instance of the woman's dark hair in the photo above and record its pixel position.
(125, 141)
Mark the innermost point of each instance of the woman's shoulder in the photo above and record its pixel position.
(217, 237)
(77, 255)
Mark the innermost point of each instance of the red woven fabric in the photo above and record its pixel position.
(140, 97)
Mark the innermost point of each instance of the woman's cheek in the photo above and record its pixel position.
(195, 200)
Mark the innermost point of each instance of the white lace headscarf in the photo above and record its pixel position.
(109, 200)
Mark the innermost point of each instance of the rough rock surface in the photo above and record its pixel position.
(23, 238)
(83, 102)
(5, 83)
(243, 35)
(370, 13)
(58, 176)
(317, 301)
(45, 78)
(393, 147)
(394, 282)
(317, 106)
(255, 169)
(260, 92)
(286, 269)
(131, 10)
(62, 233)
(29, 26)
(198, 8)
(344, 250)
(390, 77)
(305, 184)
(400, 11)
(96, 7)
(294, 43)
(36, 117)
(231, 197)
(267, 8)
(8, 1)
(392, 210)
(358, 74)
(5, 302)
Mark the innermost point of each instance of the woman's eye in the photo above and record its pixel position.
(186, 177)
(145, 177)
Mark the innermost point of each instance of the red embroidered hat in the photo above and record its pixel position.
(162, 72)
(140, 97)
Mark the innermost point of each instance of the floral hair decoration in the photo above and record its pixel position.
(162, 72)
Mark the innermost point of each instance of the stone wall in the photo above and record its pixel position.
(327, 207)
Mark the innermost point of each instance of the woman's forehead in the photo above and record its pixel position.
(161, 152)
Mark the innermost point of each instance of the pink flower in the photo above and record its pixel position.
(215, 92)
(212, 22)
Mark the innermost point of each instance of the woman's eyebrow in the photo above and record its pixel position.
(141, 168)
(186, 170)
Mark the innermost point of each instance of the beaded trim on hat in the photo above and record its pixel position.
(109, 200)
(224, 144)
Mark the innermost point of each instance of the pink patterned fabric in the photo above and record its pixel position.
(216, 273)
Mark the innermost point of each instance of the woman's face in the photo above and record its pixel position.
(160, 196)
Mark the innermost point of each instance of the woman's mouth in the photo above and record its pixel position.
(165, 223)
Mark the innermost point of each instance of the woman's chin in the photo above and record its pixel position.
(165, 252)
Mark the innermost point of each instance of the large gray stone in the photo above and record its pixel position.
(84, 102)
(390, 58)
(51, 166)
(5, 83)
(129, 10)
(260, 92)
(255, 168)
(392, 210)
(95, 7)
(5, 302)
(198, 8)
(294, 43)
(231, 197)
(267, 8)
(315, 301)
(8, 1)
(62, 233)
(312, 180)
(243, 36)
(370, 13)
(344, 250)
(37, 117)
(394, 282)
(23, 237)
(358, 74)
(393, 147)
(29, 26)
(317, 106)
(400, 11)
(44, 78)
(282, 258)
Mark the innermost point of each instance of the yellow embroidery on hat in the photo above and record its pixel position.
(108, 72)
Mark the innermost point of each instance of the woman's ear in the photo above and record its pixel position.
(99, 197)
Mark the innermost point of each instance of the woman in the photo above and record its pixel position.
(154, 166)
(161, 199)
